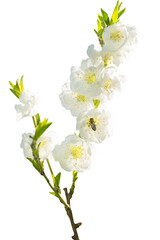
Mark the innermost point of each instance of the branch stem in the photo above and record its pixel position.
(35, 152)
(50, 168)
(74, 226)
(67, 208)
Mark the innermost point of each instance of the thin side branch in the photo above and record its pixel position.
(69, 210)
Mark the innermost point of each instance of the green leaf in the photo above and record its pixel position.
(18, 88)
(96, 32)
(12, 85)
(41, 128)
(35, 164)
(21, 84)
(57, 180)
(121, 12)
(30, 159)
(99, 33)
(101, 21)
(53, 193)
(16, 93)
(115, 13)
(96, 103)
(105, 16)
(99, 25)
(17, 85)
(38, 120)
(74, 173)
(120, 5)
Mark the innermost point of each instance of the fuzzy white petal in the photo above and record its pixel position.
(115, 36)
(73, 154)
(47, 143)
(26, 145)
(87, 79)
(29, 106)
(94, 55)
(111, 81)
(75, 102)
(121, 50)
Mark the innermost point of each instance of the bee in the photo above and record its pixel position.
(92, 124)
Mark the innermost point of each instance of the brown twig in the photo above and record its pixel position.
(70, 214)
(69, 210)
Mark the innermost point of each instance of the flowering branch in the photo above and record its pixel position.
(91, 85)
(56, 189)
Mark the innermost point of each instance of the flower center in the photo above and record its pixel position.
(116, 36)
(81, 98)
(107, 84)
(90, 78)
(76, 152)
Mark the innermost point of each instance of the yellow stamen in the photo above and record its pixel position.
(90, 78)
(76, 152)
(116, 36)
(81, 98)
(107, 86)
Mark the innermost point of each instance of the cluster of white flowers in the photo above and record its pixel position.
(92, 83)
(119, 40)
(29, 107)
(96, 80)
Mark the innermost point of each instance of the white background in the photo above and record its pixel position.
(119, 197)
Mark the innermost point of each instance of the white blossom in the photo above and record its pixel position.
(29, 106)
(115, 36)
(74, 102)
(118, 43)
(87, 79)
(108, 57)
(116, 58)
(111, 81)
(73, 154)
(93, 125)
(26, 145)
(94, 55)
(46, 141)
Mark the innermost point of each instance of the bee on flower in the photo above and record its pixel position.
(94, 125)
